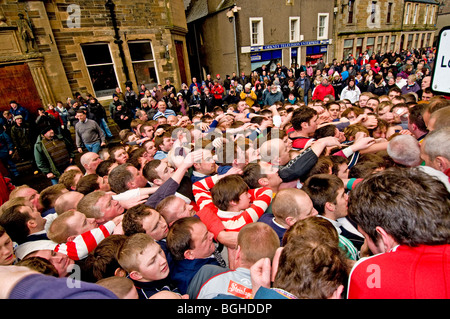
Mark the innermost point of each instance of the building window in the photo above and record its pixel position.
(379, 43)
(410, 41)
(386, 43)
(359, 46)
(432, 15)
(101, 68)
(294, 29)
(416, 7)
(389, 13)
(322, 26)
(427, 9)
(392, 43)
(351, 5)
(428, 43)
(143, 61)
(408, 8)
(373, 12)
(370, 45)
(348, 47)
(256, 31)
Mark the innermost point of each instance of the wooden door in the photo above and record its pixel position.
(180, 58)
(17, 84)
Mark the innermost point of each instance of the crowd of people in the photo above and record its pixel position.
(309, 182)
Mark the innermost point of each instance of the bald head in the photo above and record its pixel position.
(291, 205)
(90, 161)
(67, 201)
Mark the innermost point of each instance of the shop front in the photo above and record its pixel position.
(271, 55)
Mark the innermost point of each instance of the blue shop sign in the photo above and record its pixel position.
(288, 45)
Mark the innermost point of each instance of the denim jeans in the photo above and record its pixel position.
(94, 147)
(104, 126)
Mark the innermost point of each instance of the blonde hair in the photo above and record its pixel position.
(131, 249)
(59, 230)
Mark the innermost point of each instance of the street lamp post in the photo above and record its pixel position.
(231, 14)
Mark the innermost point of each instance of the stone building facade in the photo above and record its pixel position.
(240, 35)
(383, 25)
(54, 48)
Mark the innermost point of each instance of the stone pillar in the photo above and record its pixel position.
(40, 79)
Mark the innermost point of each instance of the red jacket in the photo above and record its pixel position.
(217, 91)
(321, 91)
(405, 272)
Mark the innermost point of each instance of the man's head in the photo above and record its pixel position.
(67, 201)
(92, 182)
(143, 259)
(157, 172)
(90, 161)
(373, 103)
(50, 194)
(305, 120)
(427, 94)
(401, 207)
(81, 115)
(48, 133)
(101, 206)
(275, 151)
(435, 149)
(439, 119)
(125, 177)
(188, 238)
(70, 179)
(404, 150)
(21, 220)
(45, 250)
(162, 106)
(311, 264)
(173, 208)
(333, 108)
(363, 98)
(426, 82)
(261, 174)
(68, 225)
(144, 219)
(255, 241)
(291, 205)
(164, 142)
(207, 165)
(328, 195)
(416, 124)
(118, 154)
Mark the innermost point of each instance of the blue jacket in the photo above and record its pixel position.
(6, 144)
(147, 289)
(184, 270)
(20, 110)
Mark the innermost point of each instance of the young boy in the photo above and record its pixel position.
(145, 262)
(232, 201)
(144, 219)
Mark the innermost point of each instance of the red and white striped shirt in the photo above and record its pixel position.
(232, 221)
(83, 244)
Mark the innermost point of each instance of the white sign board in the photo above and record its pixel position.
(440, 83)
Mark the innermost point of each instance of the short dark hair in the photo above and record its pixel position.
(119, 177)
(407, 203)
(228, 189)
(322, 189)
(304, 114)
